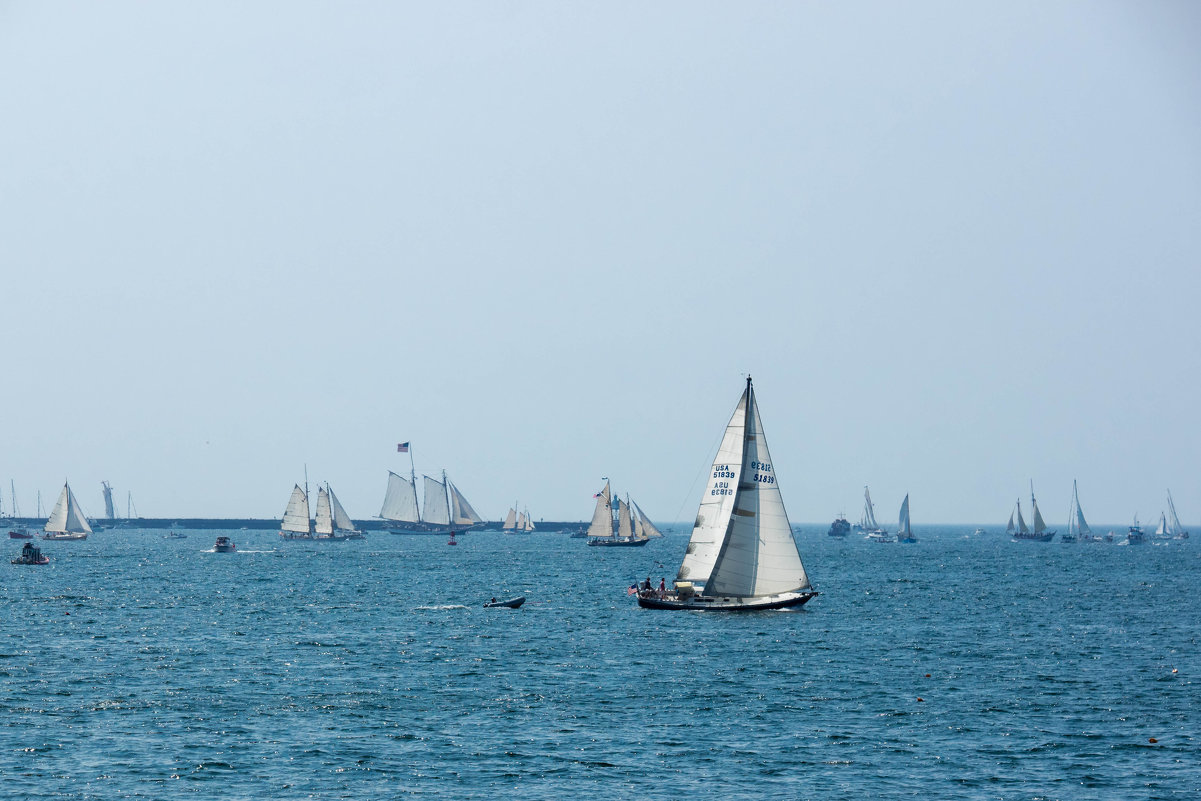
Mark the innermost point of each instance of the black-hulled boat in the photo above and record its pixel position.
(31, 555)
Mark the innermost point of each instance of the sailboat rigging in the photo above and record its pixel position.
(742, 554)
(632, 528)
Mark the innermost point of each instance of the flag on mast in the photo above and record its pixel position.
(402, 447)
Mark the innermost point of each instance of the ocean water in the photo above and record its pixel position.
(965, 666)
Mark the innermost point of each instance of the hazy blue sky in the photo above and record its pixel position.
(956, 244)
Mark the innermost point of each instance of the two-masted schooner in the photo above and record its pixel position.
(446, 510)
(1023, 532)
(67, 521)
(331, 524)
(742, 554)
(631, 529)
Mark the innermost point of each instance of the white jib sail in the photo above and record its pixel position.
(342, 521)
(400, 502)
(1081, 523)
(296, 516)
(759, 555)
(1022, 527)
(648, 528)
(1039, 525)
(602, 515)
(869, 512)
(713, 515)
(436, 509)
(904, 530)
(77, 521)
(461, 513)
(639, 533)
(324, 523)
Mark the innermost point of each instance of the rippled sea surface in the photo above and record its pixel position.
(965, 666)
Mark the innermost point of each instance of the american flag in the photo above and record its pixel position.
(402, 447)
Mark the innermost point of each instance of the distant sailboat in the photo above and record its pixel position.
(67, 521)
(518, 522)
(1039, 532)
(1161, 531)
(632, 528)
(446, 509)
(905, 532)
(332, 522)
(868, 525)
(742, 554)
(1175, 530)
(1078, 530)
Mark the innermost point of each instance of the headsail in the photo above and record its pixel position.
(1039, 525)
(400, 502)
(717, 504)
(1022, 527)
(648, 528)
(342, 521)
(1081, 524)
(602, 515)
(624, 530)
(461, 513)
(758, 555)
(296, 515)
(869, 512)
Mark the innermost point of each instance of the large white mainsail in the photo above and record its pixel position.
(1077, 525)
(67, 518)
(461, 513)
(758, 555)
(1039, 525)
(905, 531)
(324, 523)
(713, 516)
(510, 520)
(602, 515)
(400, 501)
(437, 510)
(296, 515)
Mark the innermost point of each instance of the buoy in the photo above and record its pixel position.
(1152, 740)
(921, 699)
(927, 675)
(1174, 670)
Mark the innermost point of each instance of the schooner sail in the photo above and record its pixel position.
(632, 526)
(742, 549)
(67, 521)
(446, 508)
(518, 522)
(1039, 532)
(332, 522)
(296, 524)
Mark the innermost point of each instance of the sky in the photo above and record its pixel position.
(957, 245)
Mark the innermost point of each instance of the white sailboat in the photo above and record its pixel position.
(742, 555)
(905, 532)
(867, 524)
(446, 508)
(67, 521)
(332, 522)
(1175, 530)
(1078, 530)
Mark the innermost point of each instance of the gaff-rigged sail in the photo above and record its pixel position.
(602, 515)
(400, 501)
(296, 515)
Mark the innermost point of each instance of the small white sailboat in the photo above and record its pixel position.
(1175, 530)
(1161, 531)
(67, 521)
(1078, 530)
(742, 554)
(332, 522)
(868, 525)
(905, 532)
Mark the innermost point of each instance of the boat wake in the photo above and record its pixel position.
(441, 608)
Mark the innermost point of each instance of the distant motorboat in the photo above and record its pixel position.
(175, 535)
(19, 533)
(224, 545)
(1135, 534)
(840, 527)
(31, 555)
(511, 603)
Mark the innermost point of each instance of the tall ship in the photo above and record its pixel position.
(331, 523)
(446, 509)
(67, 520)
(518, 522)
(631, 528)
(742, 554)
(1039, 533)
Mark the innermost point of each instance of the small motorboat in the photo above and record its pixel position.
(20, 534)
(175, 535)
(224, 545)
(512, 603)
(32, 555)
